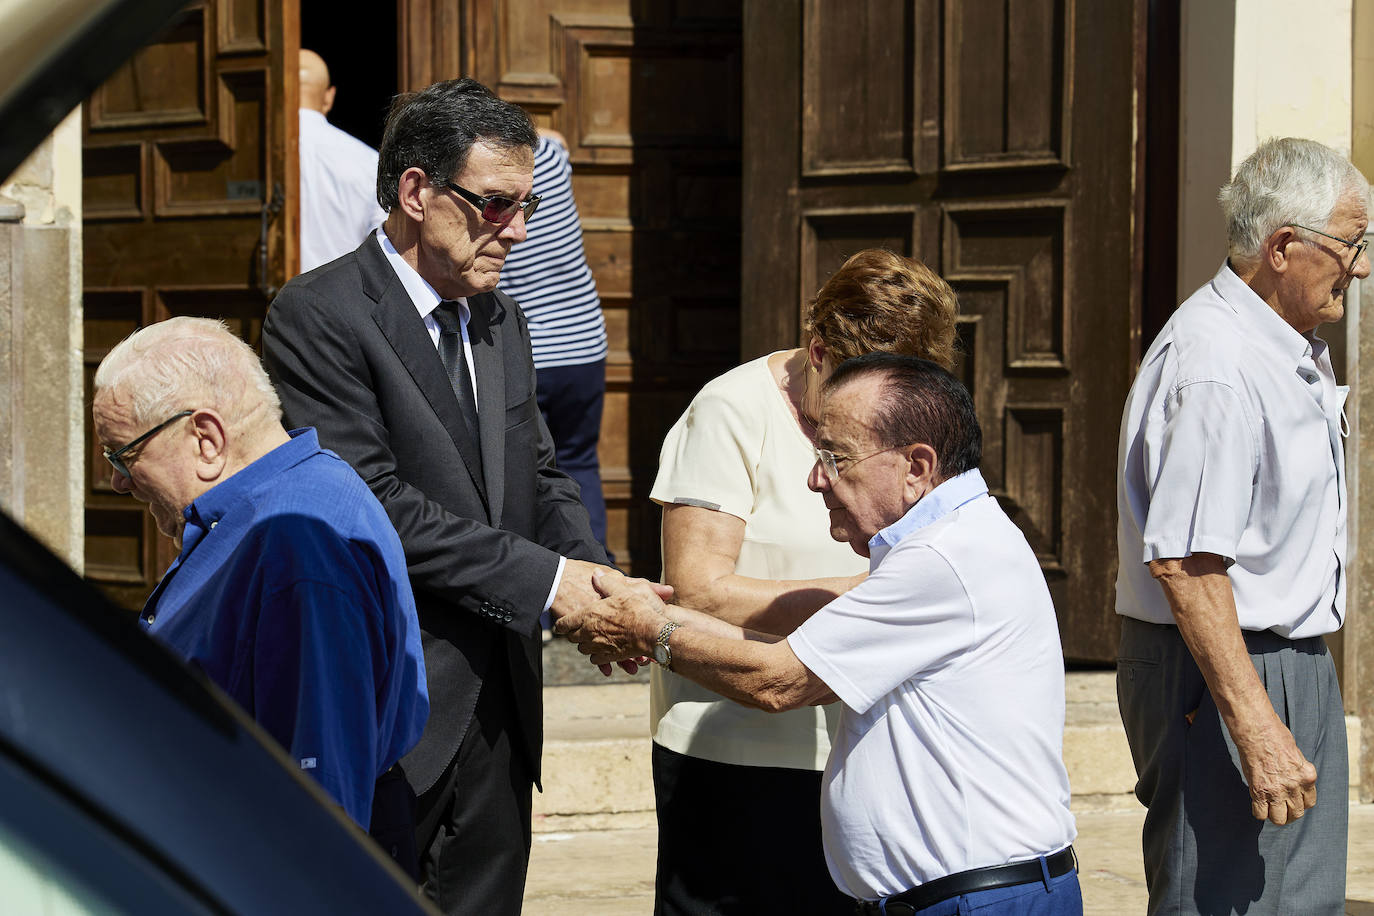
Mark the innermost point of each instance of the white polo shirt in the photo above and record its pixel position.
(1231, 444)
(949, 754)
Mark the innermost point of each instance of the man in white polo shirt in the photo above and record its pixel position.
(1232, 555)
(945, 789)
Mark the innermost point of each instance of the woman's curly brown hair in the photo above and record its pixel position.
(881, 302)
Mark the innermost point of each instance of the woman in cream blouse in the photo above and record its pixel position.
(738, 790)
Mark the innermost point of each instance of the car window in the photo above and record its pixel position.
(35, 885)
(59, 858)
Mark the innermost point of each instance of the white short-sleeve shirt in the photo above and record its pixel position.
(738, 449)
(949, 753)
(1231, 444)
(338, 191)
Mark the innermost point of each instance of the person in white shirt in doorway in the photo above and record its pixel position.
(338, 175)
(945, 790)
(1232, 545)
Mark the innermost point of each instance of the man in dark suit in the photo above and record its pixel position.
(374, 350)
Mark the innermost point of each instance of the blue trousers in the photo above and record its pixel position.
(1059, 897)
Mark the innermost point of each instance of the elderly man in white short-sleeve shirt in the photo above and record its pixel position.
(1232, 555)
(945, 785)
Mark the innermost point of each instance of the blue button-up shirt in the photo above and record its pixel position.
(291, 593)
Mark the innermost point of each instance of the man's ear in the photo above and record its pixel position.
(1274, 252)
(410, 192)
(212, 440)
(328, 100)
(923, 468)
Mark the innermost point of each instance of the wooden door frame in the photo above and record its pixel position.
(288, 54)
(1157, 195)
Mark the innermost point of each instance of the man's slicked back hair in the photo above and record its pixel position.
(434, 130)
(921, 402)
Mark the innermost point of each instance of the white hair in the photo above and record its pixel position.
(187, 363)
(1282, 183)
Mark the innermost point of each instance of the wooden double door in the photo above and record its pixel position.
(996, 140)
(726, 159)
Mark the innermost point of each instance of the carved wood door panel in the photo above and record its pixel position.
(993, 140)
(189, 189)
(647, 94)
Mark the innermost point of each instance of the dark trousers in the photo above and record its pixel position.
(1204, 851)
(393, 820)
(474, 824)
(570, 398)
(738, 839)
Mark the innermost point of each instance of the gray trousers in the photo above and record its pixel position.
(1204, 851)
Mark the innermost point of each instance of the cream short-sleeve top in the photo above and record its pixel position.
(739, 450)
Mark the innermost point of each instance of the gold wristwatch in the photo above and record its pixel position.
(662, 653)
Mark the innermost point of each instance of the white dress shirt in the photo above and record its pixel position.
(338, 191)
(1231, 444)
(426, 299)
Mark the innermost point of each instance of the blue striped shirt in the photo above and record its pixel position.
(548, 273)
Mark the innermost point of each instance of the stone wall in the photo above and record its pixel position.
(42, 413)
(1359, 648)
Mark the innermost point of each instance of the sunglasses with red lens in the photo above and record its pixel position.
(497, 210)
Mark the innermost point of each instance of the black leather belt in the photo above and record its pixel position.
(969, 882)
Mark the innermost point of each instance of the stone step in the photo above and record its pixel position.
(596, 751)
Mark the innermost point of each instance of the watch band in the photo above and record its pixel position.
(662, 642)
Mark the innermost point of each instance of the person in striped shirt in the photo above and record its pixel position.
(548, 275)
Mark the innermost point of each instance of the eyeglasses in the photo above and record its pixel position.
(497, 210)
(116, 458)
(1356, 243)
(830, 462)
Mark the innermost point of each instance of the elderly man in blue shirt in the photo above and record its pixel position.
(290, 589)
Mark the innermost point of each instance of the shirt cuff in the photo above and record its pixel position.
(557, 578)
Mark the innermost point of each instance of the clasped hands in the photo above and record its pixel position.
(611, 618)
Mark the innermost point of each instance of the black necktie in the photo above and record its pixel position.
(455, 362)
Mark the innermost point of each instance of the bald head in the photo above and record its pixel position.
(316, 92)
(186, 361)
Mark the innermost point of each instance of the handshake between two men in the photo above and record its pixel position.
(612, 618)
(629, 623)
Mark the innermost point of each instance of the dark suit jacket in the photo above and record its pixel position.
(350, 355)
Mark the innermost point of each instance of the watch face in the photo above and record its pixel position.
(661, 655)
